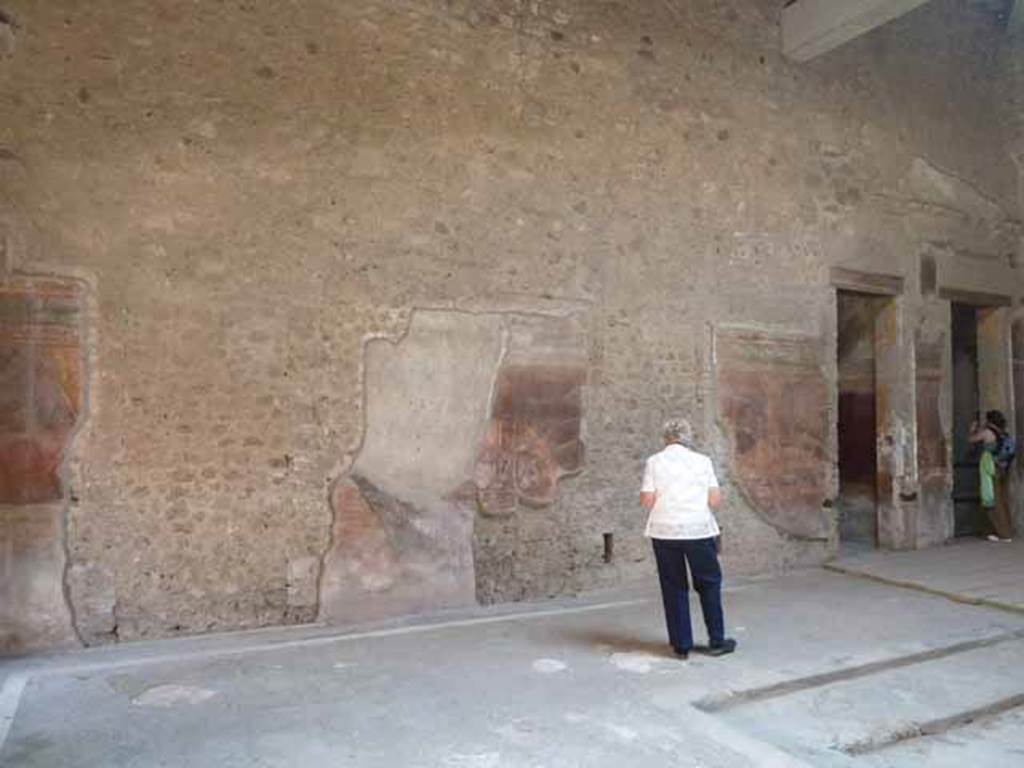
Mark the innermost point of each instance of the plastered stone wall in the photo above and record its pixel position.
(934, 415)
(255, 195)
(427, 401)
(42, 375)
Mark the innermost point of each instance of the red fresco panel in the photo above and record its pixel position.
(773, 406)
(41, 369)
(533, 438)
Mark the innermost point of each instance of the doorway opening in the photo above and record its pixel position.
(857, 341)
(966, 407)
(982, 381)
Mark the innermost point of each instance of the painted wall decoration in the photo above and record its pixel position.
(472, 420)
(391, 557)
(533, 438)
(399, 543)
(41, 371)
(773, 407)
(41, 390)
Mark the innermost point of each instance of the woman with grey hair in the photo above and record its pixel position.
(680, 491)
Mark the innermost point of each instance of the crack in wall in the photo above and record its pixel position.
(83, 291)
(502, 357)
(88, 344)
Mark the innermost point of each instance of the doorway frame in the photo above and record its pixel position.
(895, 406)
(995, 366)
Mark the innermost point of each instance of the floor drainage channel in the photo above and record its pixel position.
(934, 727)
(722, 702)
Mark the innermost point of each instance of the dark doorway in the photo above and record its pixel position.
(857, 316)
(965, 410)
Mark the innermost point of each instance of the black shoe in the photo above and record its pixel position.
(681, 654)
(728, 646)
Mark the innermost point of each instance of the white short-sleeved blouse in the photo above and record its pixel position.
(681, 479)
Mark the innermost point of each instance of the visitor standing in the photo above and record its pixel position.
(998, 449)
(680, 491)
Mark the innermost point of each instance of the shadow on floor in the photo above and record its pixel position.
(619, 642)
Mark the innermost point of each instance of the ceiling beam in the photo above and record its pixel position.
(813, 27)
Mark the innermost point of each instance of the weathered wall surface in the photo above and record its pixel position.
(1011, 59)
(255, 197)
(42, 374)
(773, 404)
(934, 410)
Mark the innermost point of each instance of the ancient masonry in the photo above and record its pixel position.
(375, 307)
(42, 387)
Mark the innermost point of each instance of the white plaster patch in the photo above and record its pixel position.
(172, 695)
(640, 663)
(549, 666)
(520, 732)
(621, 732)
(478, 760)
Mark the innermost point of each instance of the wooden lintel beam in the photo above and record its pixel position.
(813, 27)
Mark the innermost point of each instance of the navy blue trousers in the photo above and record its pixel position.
(672, 556)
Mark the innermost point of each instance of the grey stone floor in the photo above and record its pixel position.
(971, 569)
(829, 665)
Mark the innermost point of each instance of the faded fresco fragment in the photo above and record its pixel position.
(41, 370)
(390, 557)
(773, 403)
(533, 438)
(472, 420)
(40, 385)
